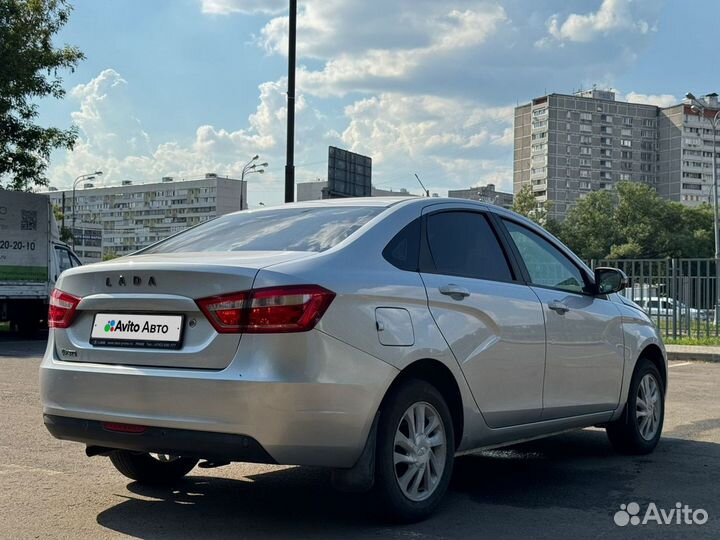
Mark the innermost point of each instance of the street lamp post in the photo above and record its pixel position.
(250, 168)
(697, 107)
(87, 176)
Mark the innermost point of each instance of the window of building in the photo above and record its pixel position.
(586, 128)
(626, 154)
(627, 121)
(626, 132)
(585, 184)
(626, 142)
(696, 187)
(605, 152)
(606, 129)
(606, 118)
(605, 140)
(584, 173)
(585, 139)
(585, 162)
(606, 163)
(586, 151)
(648, 122)
(585, 117)
(626, 165)
(647, 133)
(625, 177)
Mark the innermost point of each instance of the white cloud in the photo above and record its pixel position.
(660, 100)
(612, 16)
(113, 140)
(226, 7)
(445, 139)
(365, 46)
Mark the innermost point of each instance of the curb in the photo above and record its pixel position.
(686, 354)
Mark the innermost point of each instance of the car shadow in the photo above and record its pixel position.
(567, 486)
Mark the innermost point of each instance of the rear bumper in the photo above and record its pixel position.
(184, 442)
(310, 400)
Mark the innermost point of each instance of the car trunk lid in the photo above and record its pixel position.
(158, 289)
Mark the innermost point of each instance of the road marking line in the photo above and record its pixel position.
(12, 468)
(680, 364)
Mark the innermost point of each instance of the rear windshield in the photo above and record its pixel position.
(283, 229)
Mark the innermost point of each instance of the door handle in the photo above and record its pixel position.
(558, 307)
(454, 291)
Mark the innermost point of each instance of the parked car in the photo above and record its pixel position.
(667, 308)
(378, 337)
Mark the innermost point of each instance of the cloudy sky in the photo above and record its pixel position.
(183, 87)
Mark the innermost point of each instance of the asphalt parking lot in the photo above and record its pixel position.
(568, 486)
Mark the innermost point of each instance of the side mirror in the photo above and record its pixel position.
(610, 280)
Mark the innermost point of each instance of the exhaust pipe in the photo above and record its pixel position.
(91, 451)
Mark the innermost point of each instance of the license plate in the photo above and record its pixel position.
(135, 330)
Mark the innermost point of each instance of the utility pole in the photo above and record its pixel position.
(290, 162)
(62, 226)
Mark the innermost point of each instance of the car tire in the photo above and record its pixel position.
(147, 469)
(639, 428)
(427, 452)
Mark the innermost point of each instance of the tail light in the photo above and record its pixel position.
(62, 309)
(295, 308)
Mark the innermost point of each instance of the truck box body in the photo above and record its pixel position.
(25, 230)
(31, 256)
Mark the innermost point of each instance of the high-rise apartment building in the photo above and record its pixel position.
(133, 216)
(569, 145)
(686, 144)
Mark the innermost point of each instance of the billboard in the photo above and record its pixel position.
(349, 174)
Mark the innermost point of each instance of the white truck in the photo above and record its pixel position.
(31, 259)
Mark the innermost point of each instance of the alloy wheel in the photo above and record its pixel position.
(648, 407)
(420, 448)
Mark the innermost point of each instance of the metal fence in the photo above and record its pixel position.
(681, 295)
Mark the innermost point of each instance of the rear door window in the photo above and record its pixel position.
(464, 244)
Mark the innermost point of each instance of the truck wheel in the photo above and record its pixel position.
(639, 428)
(415, 451)
(149, 469)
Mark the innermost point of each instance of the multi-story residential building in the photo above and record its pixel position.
(569, 145)
(133, 216)
(486, 193)
(87, 241)
(686, 144)
(317, 190)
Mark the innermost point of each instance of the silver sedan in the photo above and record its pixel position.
(377, 337)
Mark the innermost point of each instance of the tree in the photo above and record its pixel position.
(65, 232)
(525, 204)
(635, 222)
(109, 256)
(589, 229)
(30, 68)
